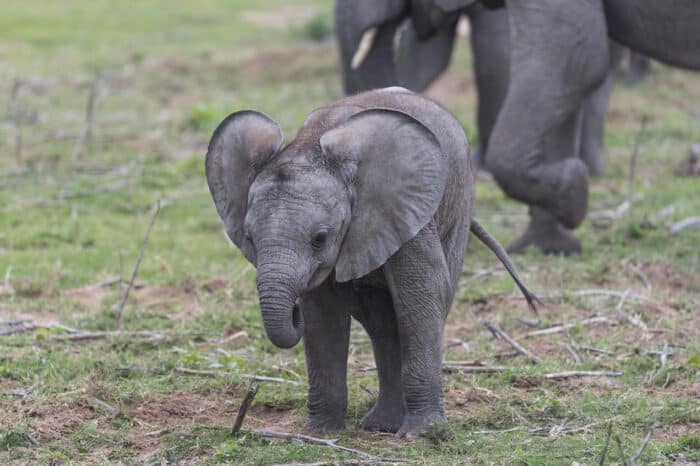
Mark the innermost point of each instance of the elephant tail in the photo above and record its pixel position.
(493, 244)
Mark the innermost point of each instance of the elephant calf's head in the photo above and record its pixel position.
(341, 200)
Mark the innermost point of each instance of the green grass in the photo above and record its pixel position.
(170, 72)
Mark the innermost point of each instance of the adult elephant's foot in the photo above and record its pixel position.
(325, 423)
(415, 424)
(568, 201)
(385, 416)
(547, 234)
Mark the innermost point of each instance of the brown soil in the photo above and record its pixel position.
(56, 418)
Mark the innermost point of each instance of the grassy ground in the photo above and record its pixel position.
(72, 218)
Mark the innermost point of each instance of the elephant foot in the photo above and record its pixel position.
(547, 235)
(416, 424)
(383, 418)
(320, 424)
(569, 202)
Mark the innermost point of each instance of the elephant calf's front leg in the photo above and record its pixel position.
(420, 285)
(326, 339)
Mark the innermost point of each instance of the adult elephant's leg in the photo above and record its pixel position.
(420, 285)
(490, 42)
(595, 108)
(377, 316)
(326, 314)
(560, 55)
(544, 230)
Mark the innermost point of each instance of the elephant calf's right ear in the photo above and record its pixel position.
(242, 144)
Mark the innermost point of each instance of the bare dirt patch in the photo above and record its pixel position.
(451, 84)
(281, 17)
(182, 409)
(54, 419)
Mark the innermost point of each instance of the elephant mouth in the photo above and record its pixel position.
(297, 318)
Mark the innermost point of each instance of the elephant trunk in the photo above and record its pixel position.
(282, 318)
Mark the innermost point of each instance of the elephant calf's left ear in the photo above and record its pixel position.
(399, 180)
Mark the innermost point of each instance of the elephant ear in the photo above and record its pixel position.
(242, 144)
(398, 173)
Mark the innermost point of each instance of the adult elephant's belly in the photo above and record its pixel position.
(667, 30)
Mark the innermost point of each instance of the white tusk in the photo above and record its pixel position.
(363, 49)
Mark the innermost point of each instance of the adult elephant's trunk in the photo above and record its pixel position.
(379, 47)
(282, 318)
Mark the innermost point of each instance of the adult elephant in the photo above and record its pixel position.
(566, 46)
(410, 42)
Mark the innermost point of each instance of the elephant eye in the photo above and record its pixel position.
(319, 240)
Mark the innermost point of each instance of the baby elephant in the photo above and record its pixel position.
(366, 213)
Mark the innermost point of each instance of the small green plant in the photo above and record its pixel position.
(439, 432)
(13, 439)
(318, 27)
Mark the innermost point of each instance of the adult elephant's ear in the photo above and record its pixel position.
(242, 144)
(397, 171)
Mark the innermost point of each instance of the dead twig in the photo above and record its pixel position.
(243, 410)
(339, 463)
(633, 159)
(638, 455)
(593, 349)
(573, 353)
(569, 374)
(85, 139)
(601, 462)
(120, 310)
(685, 224)
(472, 369)
(331, 443)
(564, 327)
(504, 431)
(99, 335)
(254, 378)
(497, 332)
(623, 457)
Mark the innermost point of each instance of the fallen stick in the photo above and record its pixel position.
(98, 335)
(504, 336)
(594, 292)
(472, 369)
(573, 353)
(564, 327)
(607, 444)
(593, 349)
(638, 455)
(504, 431)
(568, 374)
(85, 139)
(633, 159)
(623, 457)
(332, 443)
(254, 378)
(120, 310)
(243, 410)
(686, 224)
(339, 463)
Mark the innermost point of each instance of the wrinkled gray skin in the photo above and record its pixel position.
(566, 45)
(426, 29)
(366, 213)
